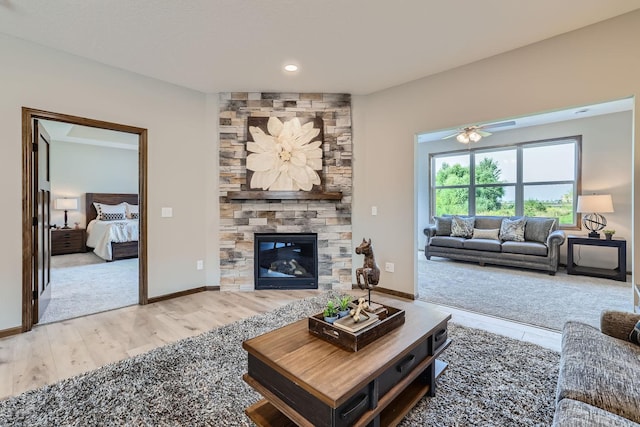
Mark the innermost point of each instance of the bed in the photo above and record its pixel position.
(111, 240)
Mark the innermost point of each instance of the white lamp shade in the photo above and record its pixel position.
(595, 203)
(66, 204)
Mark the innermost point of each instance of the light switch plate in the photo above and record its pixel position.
(167, 212)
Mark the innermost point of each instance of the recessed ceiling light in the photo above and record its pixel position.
(291, 68)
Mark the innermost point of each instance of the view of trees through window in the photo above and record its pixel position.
(528, 179)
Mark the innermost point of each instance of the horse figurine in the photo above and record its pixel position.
(370, 272)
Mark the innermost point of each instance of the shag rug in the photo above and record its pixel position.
(525, 296)
(84, 284)
(491, 381)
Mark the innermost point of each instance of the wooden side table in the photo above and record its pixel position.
(618, 273)
(67, 241)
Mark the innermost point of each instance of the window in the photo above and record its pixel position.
(533, 179)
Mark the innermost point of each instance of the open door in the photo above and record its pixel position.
(41, 223)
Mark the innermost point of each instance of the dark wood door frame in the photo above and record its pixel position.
(28, 115)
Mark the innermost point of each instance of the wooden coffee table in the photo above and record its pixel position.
(307, 381)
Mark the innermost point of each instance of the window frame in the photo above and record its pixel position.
(519, 184)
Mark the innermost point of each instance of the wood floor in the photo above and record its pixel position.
(56, 351)
(61, 350)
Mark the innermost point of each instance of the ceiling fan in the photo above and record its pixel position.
(475, 132)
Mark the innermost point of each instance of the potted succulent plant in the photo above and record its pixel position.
(343, 306)
(608, 234)
(330, 312)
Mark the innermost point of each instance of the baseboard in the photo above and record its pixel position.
(389, 292)
(11, 331)
(178, 294)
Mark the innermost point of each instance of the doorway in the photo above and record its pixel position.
(35, 230)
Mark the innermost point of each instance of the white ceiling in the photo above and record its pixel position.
(350, 46)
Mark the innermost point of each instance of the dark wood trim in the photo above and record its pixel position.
(284, 195)
(11, 331)
(28, 115)
(395, 293)
(178, 294)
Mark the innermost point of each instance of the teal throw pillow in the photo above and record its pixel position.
(512, 229)
(462, 227)
(634, 336)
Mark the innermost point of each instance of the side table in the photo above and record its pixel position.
(618, 273)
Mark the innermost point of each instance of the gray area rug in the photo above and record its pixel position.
(525, 296)
(491, 381)
(83, 284)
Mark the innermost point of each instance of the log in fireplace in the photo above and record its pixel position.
(286, 260)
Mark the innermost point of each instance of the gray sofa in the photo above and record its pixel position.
(598, 383)
(539, 250)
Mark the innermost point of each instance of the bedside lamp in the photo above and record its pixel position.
(593, 206)
(65, 205)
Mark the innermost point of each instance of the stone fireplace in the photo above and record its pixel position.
(245, 211)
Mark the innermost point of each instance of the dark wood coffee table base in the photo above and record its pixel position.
(307, 381)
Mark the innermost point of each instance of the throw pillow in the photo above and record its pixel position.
(462, 227)
(481, 233)
(634, 336)
(512, 229)
(538, 229)
(110, 212)
(443, 225)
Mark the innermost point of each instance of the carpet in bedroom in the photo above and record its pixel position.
(83, 284)
(491, 381)
(525, 296)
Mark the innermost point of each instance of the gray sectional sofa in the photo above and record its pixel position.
(539, 249)
(598, 383)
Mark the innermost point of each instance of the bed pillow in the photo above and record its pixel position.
(512, 229)
(132, 211)
(110, 212)
(462, 227)
(483, 233)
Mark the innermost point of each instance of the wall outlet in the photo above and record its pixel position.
(389, 266)
(374, 210)
(199, 264)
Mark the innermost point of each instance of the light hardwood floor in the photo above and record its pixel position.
(60, 350)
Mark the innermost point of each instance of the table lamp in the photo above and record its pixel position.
(593, 206)
(66, 204)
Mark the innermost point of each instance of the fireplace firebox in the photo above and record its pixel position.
(286, 260)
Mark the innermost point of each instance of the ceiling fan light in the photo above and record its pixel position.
(474, 136)
(463, 137)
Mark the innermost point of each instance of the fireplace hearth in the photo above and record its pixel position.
(286, 261)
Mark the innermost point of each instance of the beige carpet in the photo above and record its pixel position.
(526, 296)
(83, 284)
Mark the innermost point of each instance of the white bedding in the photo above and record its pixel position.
(100, 234)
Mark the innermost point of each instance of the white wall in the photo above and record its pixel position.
(179, 157)
(603, 137)
(77, 169)
(587, 66)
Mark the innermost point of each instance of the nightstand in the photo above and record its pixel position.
(67, 241)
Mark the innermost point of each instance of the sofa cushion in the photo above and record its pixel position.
(480, 233)
(462, 227)
(443, 225)
(483, 245)
(634, 336)
(512, 229)
(488, 221)
(538, 229)
(525, 248)
(599, 370)
(447, 241)
(572, 413)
